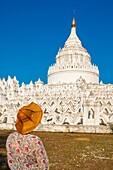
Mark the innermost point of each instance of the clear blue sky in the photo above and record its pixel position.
(31, 32)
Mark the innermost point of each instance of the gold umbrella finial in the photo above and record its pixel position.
(73, 23)
(73, 20)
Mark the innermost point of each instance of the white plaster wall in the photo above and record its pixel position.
(71, 76)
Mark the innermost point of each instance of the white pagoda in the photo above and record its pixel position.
(72, 101)
(73, 61)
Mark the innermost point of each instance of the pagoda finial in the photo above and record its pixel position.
(73, 23)
(73, 20)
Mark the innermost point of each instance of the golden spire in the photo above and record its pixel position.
(73, 23)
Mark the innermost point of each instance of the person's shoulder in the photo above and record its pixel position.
(12, 135)
(34, 137)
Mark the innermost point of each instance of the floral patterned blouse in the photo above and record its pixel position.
(26, 152)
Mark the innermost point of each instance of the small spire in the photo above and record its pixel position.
(73, 20)
(73, 23)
